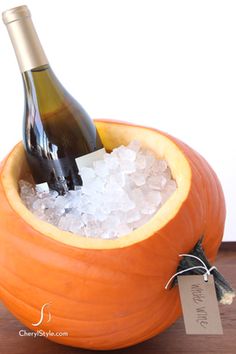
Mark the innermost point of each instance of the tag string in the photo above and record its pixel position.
(203, 266)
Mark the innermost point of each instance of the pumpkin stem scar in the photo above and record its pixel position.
(224, 291)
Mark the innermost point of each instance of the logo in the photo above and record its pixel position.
(45, 306)
(39, 332)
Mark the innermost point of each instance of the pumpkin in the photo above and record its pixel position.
(107, 294)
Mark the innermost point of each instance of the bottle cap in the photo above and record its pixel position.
(15, 14)
(28, 49)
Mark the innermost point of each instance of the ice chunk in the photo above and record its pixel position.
(133, 215)
(117, 180)
(111, 161)
(157, 182)
(101, 168)
(137, 196)
(149, 159)
(148, 208)
(169, 189)
(123, 229)
(42, 188)
(154, 198)
(159, 166)
(135, 146)
(96, 186)
(139, 178)
(126, 154)
(127, 167)
(140, 161)
(38, 204)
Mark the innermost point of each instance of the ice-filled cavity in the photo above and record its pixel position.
(120, 193)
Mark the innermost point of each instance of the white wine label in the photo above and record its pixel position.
(87, 160)
(199, 305)
(42, 187)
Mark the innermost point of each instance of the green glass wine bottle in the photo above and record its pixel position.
(58, 135)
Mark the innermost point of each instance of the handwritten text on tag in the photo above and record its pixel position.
(199, 305)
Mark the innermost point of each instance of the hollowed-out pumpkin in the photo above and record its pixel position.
(107, 293)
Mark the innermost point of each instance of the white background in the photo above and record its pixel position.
(166, 64)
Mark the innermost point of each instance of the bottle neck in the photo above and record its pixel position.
(25, 41)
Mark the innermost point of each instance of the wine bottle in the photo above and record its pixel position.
(58, 135)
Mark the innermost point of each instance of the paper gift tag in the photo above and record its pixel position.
(199, 305)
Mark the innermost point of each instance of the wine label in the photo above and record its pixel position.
(199, 305)
(87, 160)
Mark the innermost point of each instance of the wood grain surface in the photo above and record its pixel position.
(172, 341)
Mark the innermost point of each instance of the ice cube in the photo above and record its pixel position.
(157, 182)
(127, 167)
(167, 174)
(38, 204)
(132, 216)
(169, 189)
(137, 196)
(101, 168)
(96, 186)
(148, 208)
(135, 146)
(150, 160)
(140, 162)
(26, 189)
(139, 179)
(42, 188)
(126, 154)
(159, 166)
(154, 197)
(111, 161)
(123, 229)
(117, 180)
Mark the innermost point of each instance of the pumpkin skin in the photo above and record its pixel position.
(107, 294)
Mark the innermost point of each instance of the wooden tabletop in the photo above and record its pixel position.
(172, 341)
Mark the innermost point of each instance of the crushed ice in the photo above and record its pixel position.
(120, 193)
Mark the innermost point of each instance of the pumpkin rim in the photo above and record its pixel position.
(167, 149)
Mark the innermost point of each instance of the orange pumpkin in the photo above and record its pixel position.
(107, 294)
